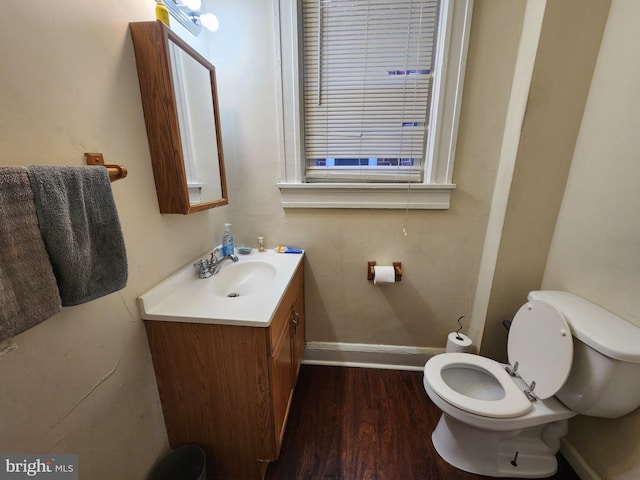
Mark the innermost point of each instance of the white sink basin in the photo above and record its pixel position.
(246, 293)
(241, 279)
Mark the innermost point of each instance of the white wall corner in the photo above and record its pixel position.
(522, 75)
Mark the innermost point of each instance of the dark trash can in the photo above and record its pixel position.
(184, 463)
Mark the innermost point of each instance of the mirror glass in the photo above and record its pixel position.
(180, 103)
(192, 89)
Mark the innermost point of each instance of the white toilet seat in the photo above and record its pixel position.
(514, 403)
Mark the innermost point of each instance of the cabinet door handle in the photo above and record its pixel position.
(295, 321)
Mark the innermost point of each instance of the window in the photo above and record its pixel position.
(366, 88)
(370, 93)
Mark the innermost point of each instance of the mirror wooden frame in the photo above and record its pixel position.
(151, 47)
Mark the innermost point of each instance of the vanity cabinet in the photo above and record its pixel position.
(228, 388)
(287, 345)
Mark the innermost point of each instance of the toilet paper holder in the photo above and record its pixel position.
(371, 275)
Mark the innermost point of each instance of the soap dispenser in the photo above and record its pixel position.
(227, 241)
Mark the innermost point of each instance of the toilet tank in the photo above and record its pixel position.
(604, 380)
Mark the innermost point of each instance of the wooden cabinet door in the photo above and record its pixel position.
(281, 383)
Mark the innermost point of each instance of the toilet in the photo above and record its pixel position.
(567, 356)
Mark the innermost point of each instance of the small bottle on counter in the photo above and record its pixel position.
(227, 241)
(261, 244)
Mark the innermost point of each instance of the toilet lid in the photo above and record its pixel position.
(540, 341)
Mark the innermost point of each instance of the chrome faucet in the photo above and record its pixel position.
(207, 267)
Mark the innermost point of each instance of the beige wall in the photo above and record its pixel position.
(82, 382)
(440, 254)
(568, 46)
(595, 250)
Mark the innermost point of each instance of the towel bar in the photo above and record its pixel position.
(116, 172)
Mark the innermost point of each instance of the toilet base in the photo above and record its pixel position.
(493, 453)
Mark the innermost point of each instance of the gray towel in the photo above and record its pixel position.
(28, 290)
(81, 230)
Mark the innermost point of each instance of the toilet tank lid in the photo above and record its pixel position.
(602, 330)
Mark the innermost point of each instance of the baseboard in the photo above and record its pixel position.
(368, 355)
(577, 461)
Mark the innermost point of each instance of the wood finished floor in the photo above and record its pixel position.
(364, 424)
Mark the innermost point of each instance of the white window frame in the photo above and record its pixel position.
(434, 192)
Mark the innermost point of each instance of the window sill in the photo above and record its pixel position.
(366, 195)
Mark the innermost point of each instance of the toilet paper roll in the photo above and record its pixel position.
(384, 275)
(462, 344)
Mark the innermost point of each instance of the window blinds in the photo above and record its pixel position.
(367, 79)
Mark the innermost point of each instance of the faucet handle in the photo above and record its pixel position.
(202, 268)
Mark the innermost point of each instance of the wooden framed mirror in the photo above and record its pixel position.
(180, 103)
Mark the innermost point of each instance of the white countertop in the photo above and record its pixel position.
(183, 297)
